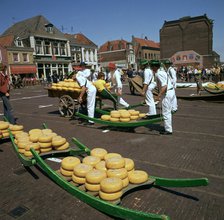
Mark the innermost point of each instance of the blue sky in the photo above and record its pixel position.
(103, 20)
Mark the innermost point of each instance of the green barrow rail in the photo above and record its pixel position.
(133, 124)
(101, 205)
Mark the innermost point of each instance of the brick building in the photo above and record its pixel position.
(188, 34)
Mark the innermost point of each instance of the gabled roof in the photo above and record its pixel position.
(113, 45)
(146, 43)
(7, 41)
(79, 39)
(34, 26)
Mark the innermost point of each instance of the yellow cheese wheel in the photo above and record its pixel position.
(125, 182)
(134, 113)
(105, 117)
(45, 138)
(110, 196)
(35, 146)
(4, 125)
(129, 164)
(142, 115)
(91, 160)
(23, 144)
(95, 176)
(111, 184)
(34, 137)
(125, 114)
(101, 165)
(110, 155)
(65, 172)
(58, 141)
(138, 176)
(35, 131)
(82, 169)
(131, 171)
(77, 179)
(47, 131)
(114, 119)
(5, 134)
(45, 145)
(115, 114)
(16, 132)
(92, 187)
(120, 173)
(115, 163)
(62, 147)
(15, 127)
(98, 152)
(20, 150)
(21, 134)
(123, 110)
(27, 153)
(124, 119)
(134, 117)
(68, 163)
(44, 150)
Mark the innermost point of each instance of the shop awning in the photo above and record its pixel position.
(23, 69)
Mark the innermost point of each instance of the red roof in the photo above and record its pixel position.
(113, 45)
(146, 42)
(79, 39)
(7, 40)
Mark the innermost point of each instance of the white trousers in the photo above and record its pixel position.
(91, 99)
(174, 102)
(167, 110)
(150, 102)
(121, 100)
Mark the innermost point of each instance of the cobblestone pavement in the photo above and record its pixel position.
(195, 149)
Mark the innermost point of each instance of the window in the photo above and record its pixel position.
(15, 57)
(25, 57)
(55, 48)
(63, 49)
(47, 47)
(49, 28)
(39, 48)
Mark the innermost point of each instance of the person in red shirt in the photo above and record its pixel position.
(4, 94)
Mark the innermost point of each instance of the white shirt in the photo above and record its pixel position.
(117, 78)
(82, 81)
(149, 78)
(163, 79)
(85, 73)
(173, 76)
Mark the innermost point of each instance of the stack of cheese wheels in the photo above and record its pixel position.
(137, 176)
(34, 134)
(45, 142)
(111, 188)
(116, 168)
(35, 146)
(79, 173)
(115, 116)
(22, 141)
(134, 115)
(4, 125)
(68, 164)
(124, 115)
(59, 143)
(15, 129)
(67, 85)
(93, 179)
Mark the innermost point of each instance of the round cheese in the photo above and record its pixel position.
(115, 163)
(125, 182)
(45, 138)
(45, 145)
(110, 196)
(65, 172)
(44, 150)
(125, 115)
(91, 160)
(95, 176)
(138, 176)
(34, 137)
(15, 127)
(124, 119)
(142, 115)
(110, 155)
(92, 187)
(105, 117)
(68, 163)
(101, 165)
(98, 152)
(35, 146)
(4, 125)
(82, 169)
(120, 173)
(58, 141)
(62, 147)
(134, 117)
(35, 131)
(110, 185)
(114, 119)
(129, 164)
(77, 179)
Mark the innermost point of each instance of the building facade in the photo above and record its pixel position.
(51, 50)
(120, 52)
(82, 50)
(189, 34)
